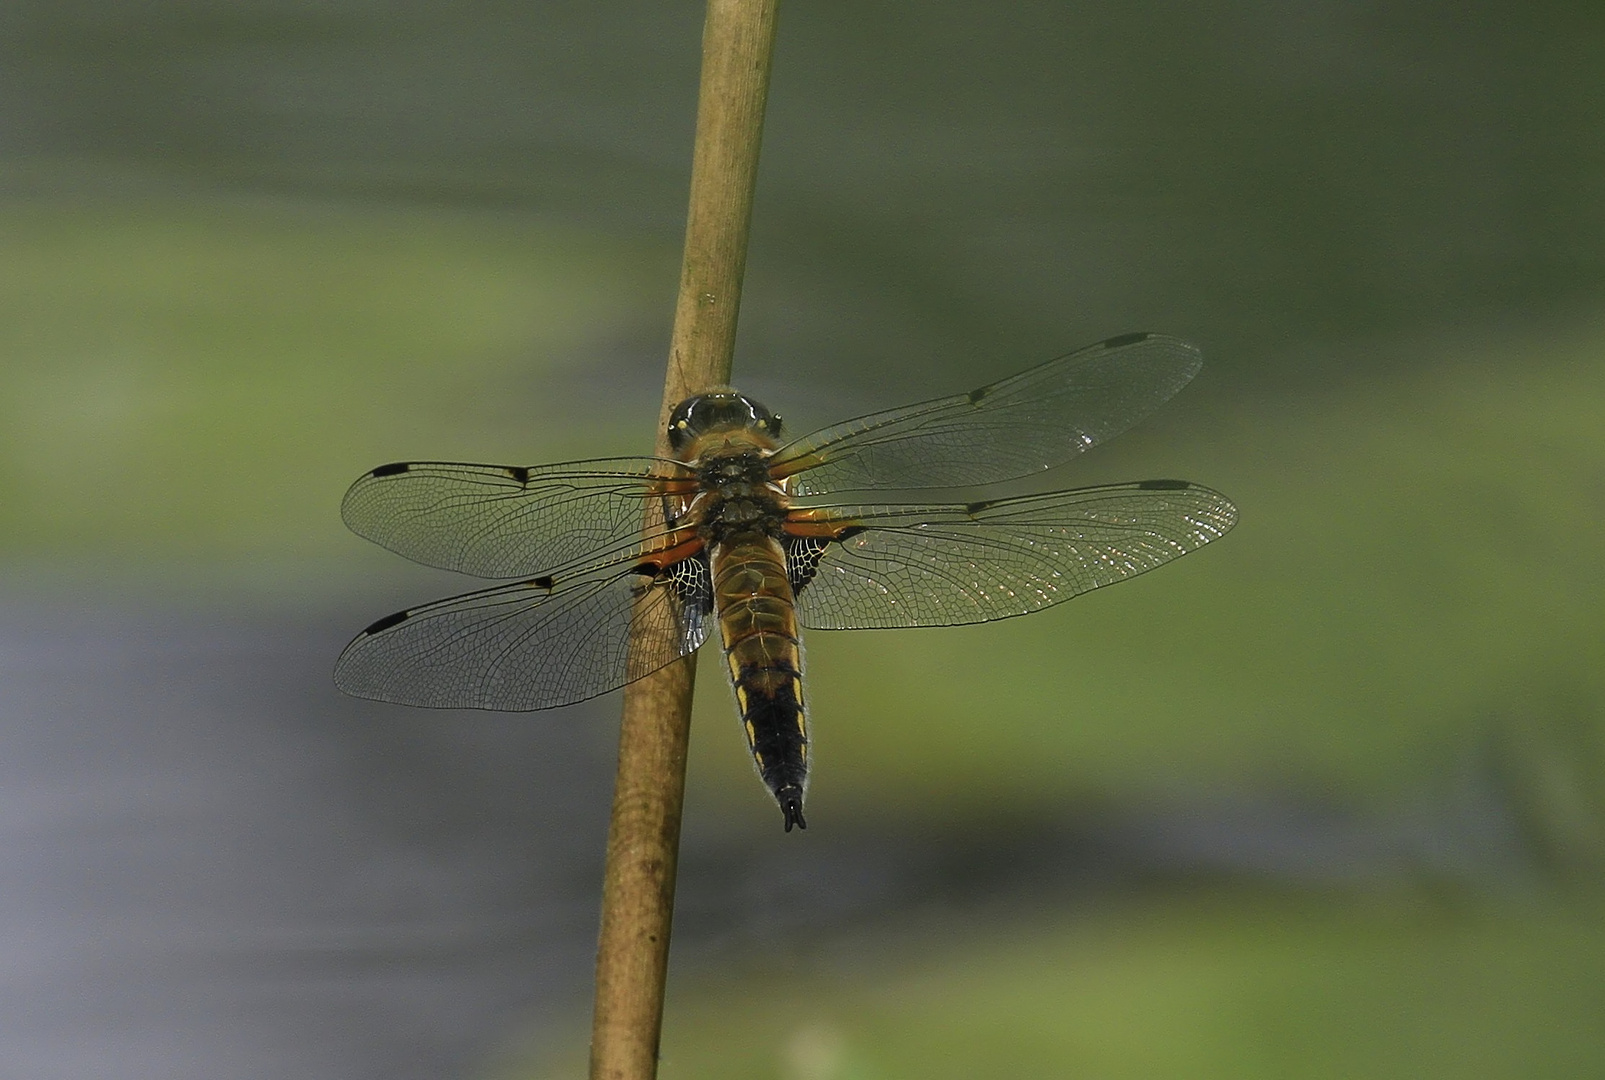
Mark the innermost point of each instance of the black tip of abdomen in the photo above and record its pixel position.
(791, 804)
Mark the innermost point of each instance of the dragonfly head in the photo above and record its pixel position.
(718, 412)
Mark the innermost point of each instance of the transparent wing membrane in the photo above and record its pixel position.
(947, 564)
(1016, 427)
(524, 646)
(500, 521)
(600, 601)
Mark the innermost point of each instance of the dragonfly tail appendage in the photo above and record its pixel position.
(791, 804)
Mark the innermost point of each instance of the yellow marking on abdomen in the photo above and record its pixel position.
(757, 617)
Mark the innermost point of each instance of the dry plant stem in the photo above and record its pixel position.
(644, 836)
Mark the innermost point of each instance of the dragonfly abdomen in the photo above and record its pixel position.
(758, 627)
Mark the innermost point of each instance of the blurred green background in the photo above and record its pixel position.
(253, 249)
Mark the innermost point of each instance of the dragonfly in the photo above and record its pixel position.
(621, 566)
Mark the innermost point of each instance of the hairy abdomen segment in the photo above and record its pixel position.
(758, 626)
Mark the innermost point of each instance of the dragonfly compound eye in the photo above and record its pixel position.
(721, 410)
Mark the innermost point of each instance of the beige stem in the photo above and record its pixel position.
(643, 842)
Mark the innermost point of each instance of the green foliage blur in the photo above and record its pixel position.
(1221, 985)
(1386, 239)
(198, 380)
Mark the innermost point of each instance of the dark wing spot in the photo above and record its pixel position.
(692, 582)
(1163, 485)
(978, 393)
(849, 532)
(1126, 339)
(519, 473)
(802, 559)
(977, 507)
(386, 623)
(542, 582)
(393, 469)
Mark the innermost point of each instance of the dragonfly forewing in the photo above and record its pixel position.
(501, 521)
(1014, 428)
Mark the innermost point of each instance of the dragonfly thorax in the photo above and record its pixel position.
(732, 472)
(738, 498)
